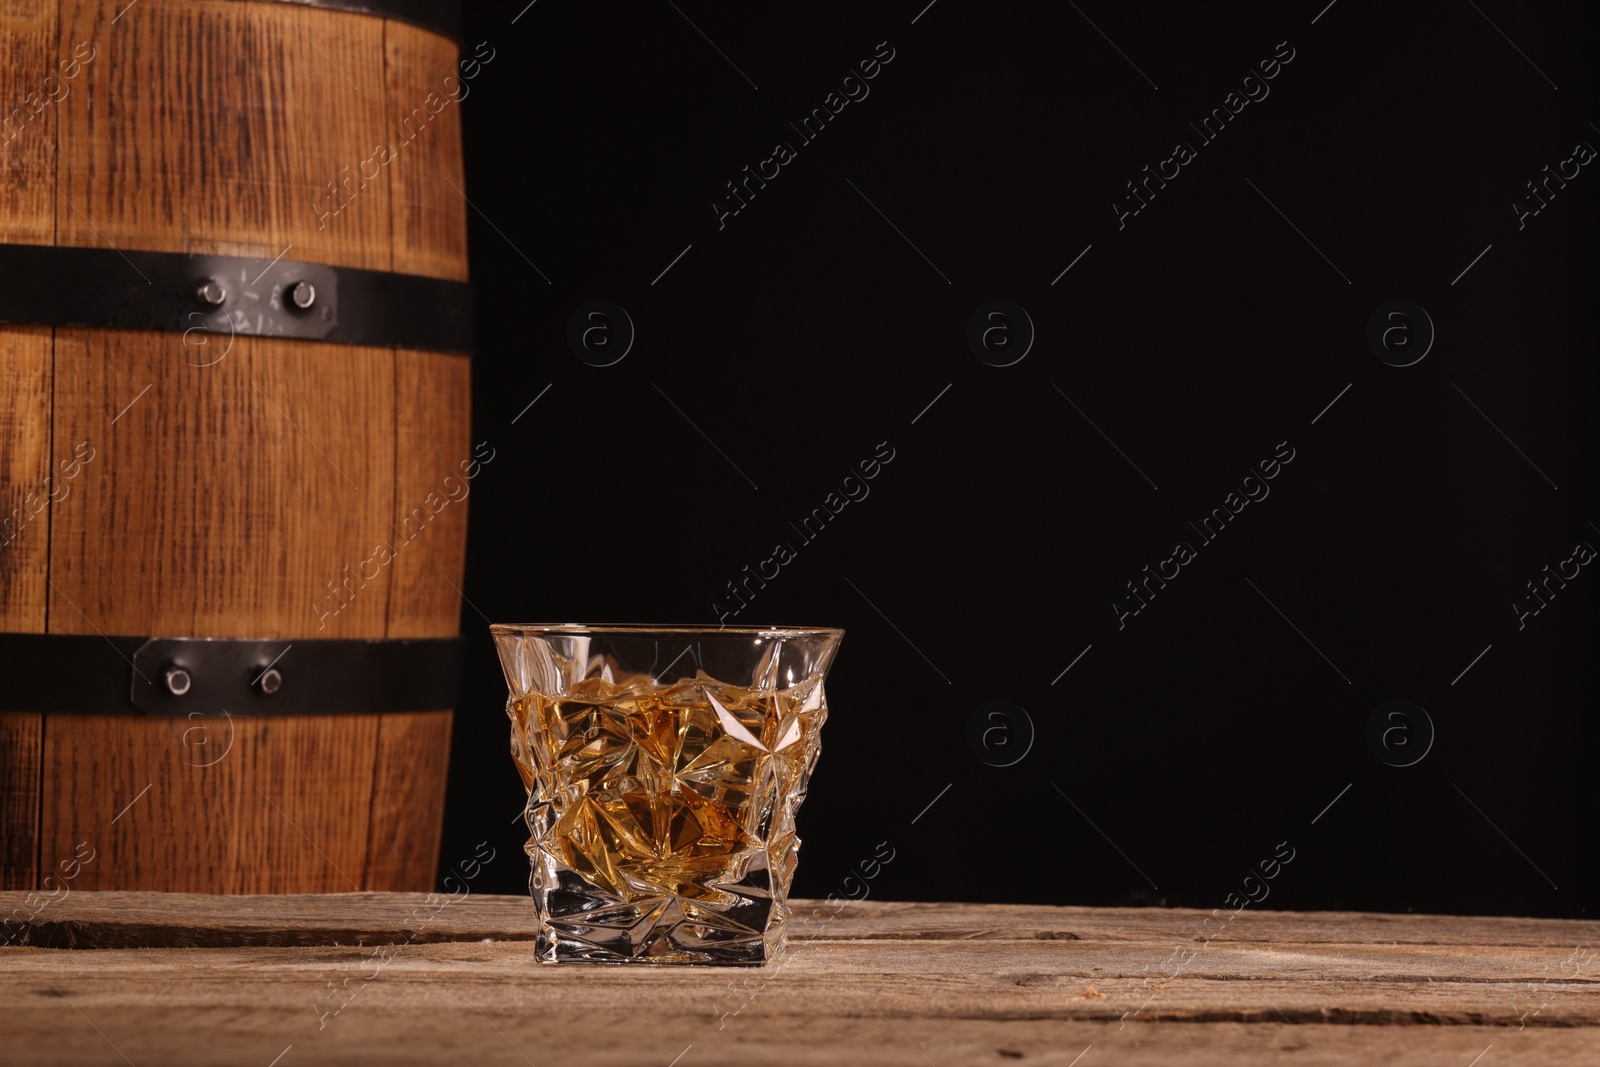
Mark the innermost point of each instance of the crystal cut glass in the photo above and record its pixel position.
(664, 767)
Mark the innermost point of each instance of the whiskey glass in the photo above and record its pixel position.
(664, 767)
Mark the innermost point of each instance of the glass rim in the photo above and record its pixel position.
(645, 629)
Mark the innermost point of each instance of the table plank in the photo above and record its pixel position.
(880, 983)
(133, 919)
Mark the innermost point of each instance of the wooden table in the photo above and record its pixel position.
(385, 979)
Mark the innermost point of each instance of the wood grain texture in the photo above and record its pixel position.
(301, 820)
(209, 803)
(1463, 986)
(110, 784)
(21, 741)
(410, 769)
(426, 184)
(433, 458)
(27, 480)
(225, 500)
(216, 127)
(32, 88)
(25, 466)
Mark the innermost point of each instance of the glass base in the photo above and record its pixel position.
(561, 950)
(580, 925)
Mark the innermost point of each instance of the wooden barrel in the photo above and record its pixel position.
(227, 483)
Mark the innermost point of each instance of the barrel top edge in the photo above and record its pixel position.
(443, 17)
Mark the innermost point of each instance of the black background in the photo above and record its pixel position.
(1179, 751)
